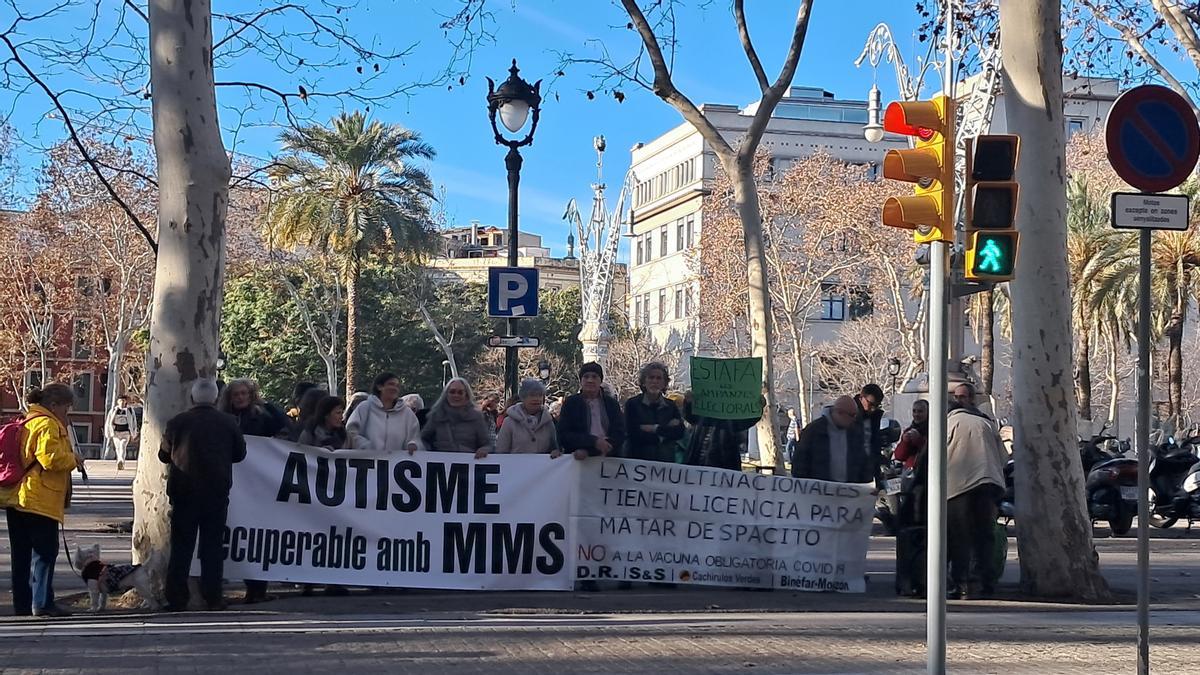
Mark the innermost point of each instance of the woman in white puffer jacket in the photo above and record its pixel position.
(383, 421)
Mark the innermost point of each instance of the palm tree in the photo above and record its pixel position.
(1175, 258)
(351, 189)
(1091, 245)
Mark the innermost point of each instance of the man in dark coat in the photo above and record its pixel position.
(832, 447)
(652, 421)
(590, 423)
(715, 442)
(201, 445)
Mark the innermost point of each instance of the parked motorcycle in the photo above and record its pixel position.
(1187, 502)
(1169, 467)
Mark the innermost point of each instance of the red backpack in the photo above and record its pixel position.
(12, 450)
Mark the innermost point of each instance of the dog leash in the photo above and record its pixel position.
(63, 532)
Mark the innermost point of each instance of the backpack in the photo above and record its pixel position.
(12, 447)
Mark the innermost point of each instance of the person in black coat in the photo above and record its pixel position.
(869, 402)
(652, 421)
(590, 423)
(201, 446)
(832, 447)
(715, 442)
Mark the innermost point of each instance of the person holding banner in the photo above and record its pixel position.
(455, 424)
(383, 421)
(590, 423)
(325, 429)
(529, 427)
(832, 448)
(715, 442)
(653, 421)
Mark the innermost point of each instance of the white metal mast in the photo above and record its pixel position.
(599, 239)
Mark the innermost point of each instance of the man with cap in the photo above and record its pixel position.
(590, 423)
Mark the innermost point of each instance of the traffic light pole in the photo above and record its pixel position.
(935, 583)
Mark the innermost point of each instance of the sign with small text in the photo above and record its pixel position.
(1141, 211)
(727, 389)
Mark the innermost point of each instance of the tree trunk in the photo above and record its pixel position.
(745, 194)
(193, 181)
(1083, 367)
(1054, 533)
(352, 283)
(801, 377)
(1114, 381)
(1175, 366)
(987, 344)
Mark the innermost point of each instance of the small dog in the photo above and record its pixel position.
(103, 579)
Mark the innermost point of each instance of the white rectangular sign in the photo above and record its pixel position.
(1139, 211)
(647, 521)
(431, 520)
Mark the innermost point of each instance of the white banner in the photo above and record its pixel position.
(647, 521)
(431, 520)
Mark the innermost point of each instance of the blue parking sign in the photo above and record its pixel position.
(512, 292)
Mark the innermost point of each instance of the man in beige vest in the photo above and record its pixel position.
(974, 483)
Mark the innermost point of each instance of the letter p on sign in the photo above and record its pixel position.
(512, 292)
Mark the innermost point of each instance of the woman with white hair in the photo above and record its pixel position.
(416, 404)
(528, 426)
(455, 424)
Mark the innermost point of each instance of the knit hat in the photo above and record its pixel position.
(591, 367)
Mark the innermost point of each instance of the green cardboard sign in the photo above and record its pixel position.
(727, 389)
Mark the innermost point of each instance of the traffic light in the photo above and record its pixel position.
(991, 208)
(930, 164)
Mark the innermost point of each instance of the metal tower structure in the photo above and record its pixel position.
(599, 238)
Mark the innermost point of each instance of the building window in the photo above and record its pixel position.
(666, 182)
(662, 306)
(637, 305)
(83, 392)
(81, 340)
(648, 244)
(833, 305)
(680, 234)
(33, 380)
(1074, 126)
(688, 308)
(638, 244)
(690, 227)
(679, 303)
(645, 309)
(83, 432)
(662, 248)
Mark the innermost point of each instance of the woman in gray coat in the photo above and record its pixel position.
(528, 426)
(454, 424)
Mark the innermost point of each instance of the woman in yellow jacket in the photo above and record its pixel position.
(35, 506)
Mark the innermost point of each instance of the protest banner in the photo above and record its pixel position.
(429, 520)
(727, 389)
(649, 521)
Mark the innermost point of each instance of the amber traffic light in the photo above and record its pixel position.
(929, 212)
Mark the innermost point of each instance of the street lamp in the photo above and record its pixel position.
(544, 371)
(894, 371)
(873, 131)
(514, 99)
(445, 373)
(220, 361)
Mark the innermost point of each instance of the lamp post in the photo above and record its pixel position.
(514, 99)
(445, 373)
(893, 370)
(544, 371)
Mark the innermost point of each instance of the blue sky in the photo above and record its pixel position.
(710, 67)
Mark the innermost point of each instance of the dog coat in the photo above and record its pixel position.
(108, 576)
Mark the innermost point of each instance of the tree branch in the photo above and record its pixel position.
(78, 143)
(137, 10)
(739, 16)
(771, 97)
(664, 86)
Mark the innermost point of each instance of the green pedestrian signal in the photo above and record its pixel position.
(992, 256)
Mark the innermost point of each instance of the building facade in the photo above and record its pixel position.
(673, 171)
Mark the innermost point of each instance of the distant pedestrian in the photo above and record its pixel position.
(529, 428)
(653, 423)
(793, 432)
(297, 394)
(831, 447)
(326, 428)
(591, 423)
(975, 462)
(201, 446)
(914, 439)
(121, 426)
(455, 424)
(383, 422)
(34, 507)
(490, 407)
